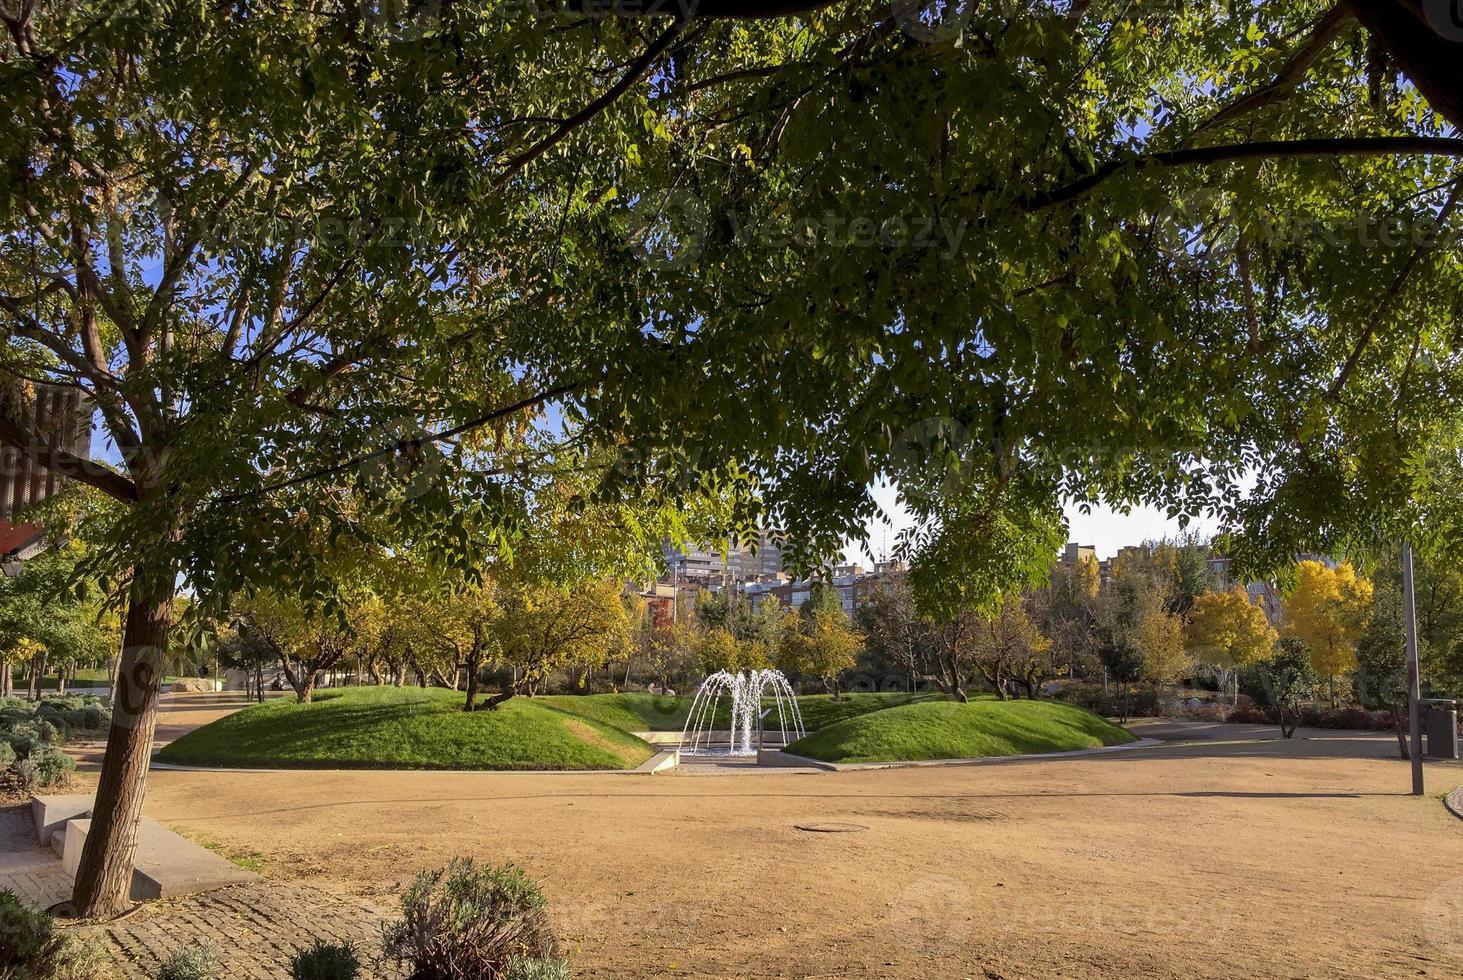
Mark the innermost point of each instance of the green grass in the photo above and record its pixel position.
(632, 712)
(642, 712)
(950, 730)
(405, 728)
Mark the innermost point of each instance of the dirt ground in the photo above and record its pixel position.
(1220, 856)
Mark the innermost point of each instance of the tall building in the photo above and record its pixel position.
(62, 419)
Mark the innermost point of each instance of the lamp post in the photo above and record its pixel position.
(1414, 683)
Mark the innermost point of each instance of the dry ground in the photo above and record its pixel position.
(1219, 858)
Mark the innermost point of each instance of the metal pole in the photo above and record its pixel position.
(1414, 682)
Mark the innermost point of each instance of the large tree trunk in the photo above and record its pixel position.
(104, 877)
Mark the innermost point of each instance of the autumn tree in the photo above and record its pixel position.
(823, 644)
(306, 639)
(545, 627)
(1065, 610)
(1007, 648)
(468, 631)
(1228, 632)
(1328, 609)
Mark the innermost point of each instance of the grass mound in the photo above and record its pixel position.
(631, 712)
(406, 728)
(643, 712)
(950, 730)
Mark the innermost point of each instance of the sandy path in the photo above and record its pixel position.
(1221, 858)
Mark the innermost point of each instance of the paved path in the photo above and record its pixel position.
(26, 868)
(257, 930)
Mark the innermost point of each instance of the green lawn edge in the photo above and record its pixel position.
(934, 730)
(406, 728)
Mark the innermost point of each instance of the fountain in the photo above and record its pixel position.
(745, 692)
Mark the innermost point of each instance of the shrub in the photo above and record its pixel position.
(522, 968)
(24, 738)
(33, 948)
(1245, 715)
(7, 756)
(51, 765)
(191, 963)
(469, 921)
(324, 961)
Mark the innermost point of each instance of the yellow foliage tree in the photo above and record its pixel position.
(824, 647)
(1329, 609)
(1227, 631)
(717, 649)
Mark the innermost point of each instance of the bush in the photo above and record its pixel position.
(34, 950)
(191, 963)
(1250, 716)
(521, 968)
(468, 921)
(52, 765)
(24, 738)
(324, 961)
(7, 756)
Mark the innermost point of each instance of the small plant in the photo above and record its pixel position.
(191, 963)
(7, 756)
(52, 765)
(326, 961)
(486, 922)
(33, 948)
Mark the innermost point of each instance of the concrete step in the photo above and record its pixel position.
(166, 864)
(58, 842)
(50, 813)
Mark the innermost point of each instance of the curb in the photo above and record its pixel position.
(798, 760)
(1454, 802)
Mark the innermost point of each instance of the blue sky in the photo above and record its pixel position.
(1104, 528)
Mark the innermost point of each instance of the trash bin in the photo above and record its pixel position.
(1440, 723)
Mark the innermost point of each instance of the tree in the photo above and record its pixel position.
(1007, 648)
(1229, 632)
(305, 640)
(1381, 660)
(469, 631)
(1136, 612)
(543, 628)
(894, 626)
(370, 263)
(1291, 678)
(1065, 610)
(718, 649)
(1328, 609)
(823, 645)
(1124, 663)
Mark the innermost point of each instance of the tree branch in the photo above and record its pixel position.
(400, 445)
(72, 467)
(1389, 298)
(633, 73)
(1291, 72)
(1230, 153)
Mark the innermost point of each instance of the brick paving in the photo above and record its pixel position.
(26, 868)
(256, 929)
